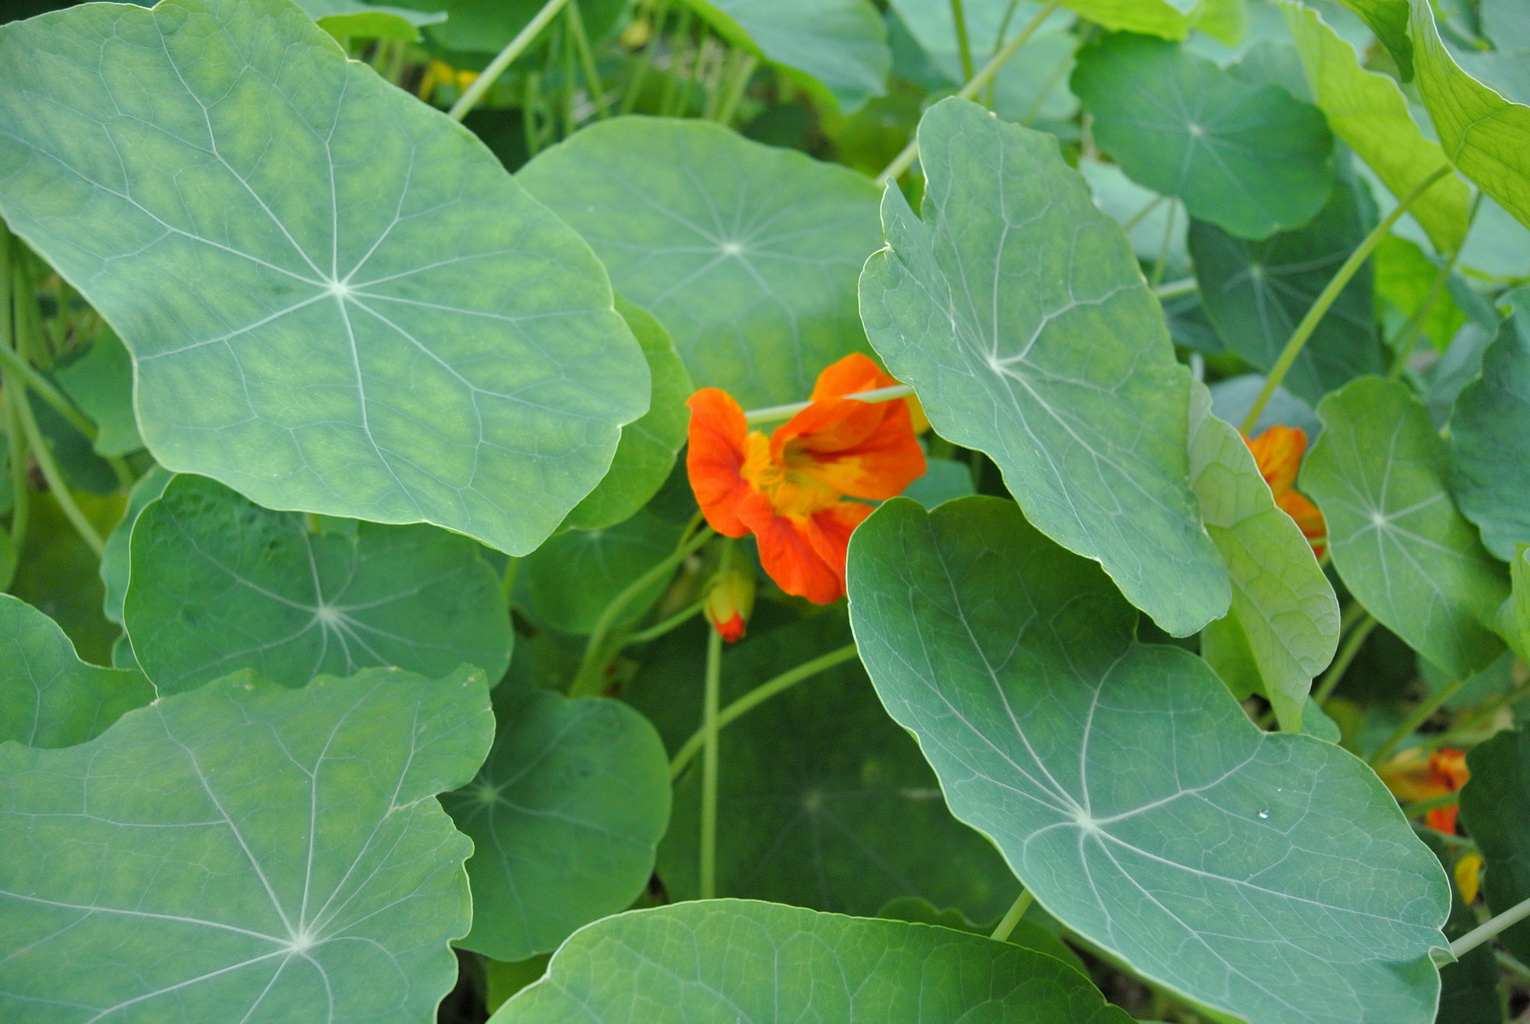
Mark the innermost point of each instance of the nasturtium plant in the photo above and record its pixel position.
(678, 511)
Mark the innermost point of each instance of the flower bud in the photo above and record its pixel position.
(729, 601)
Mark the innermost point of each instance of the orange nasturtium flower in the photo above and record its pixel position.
(1278, 451)
(789, 489)
(1412, 778)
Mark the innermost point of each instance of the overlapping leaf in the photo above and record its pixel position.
(341, 305)
(244, 850)
(345, 18)
(567, 583)
(1016, 310)
(101, 384)
(1389, 20)
(1268, 876)
(1495, 804)
(746, 254)
(763, 963)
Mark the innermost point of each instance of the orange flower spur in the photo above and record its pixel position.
(1278, 452)
(789, 489)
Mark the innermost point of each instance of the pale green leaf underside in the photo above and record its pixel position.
(1017, 311)
(746, 254)
(1267, 875)
(1378, 472)
(764, 963)
(340, 305)
(220, 584)
(1369, 112)
(1282, 601)
(1247, 157)
(244, 851)
(48, 696)
(564, 817)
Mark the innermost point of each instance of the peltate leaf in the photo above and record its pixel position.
(1378, 473)
(1049, 356)
(1495, 804)
(764, 963)
(567, 583)
(343, 305)
(220, 584)
(243, 850)
(1128, 790)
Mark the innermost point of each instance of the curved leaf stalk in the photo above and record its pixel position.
(21, 491)
(1489, 928)
(592, 80)
(1422, 807)
(771, 413)
(55, 478)
(1013, 915)
(963, 43)
(670, 624)
(1464, 730)
(1407, 338)
(1409, 725)
(1331, 292)
(513, 49)
(707, 887)
(1346, 655)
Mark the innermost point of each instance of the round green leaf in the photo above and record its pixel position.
(564, 817)
(345, 18)
(48, 696)
(764, 963)
(244, 850)
(1244, 156)
(747, 255)
(1129, 791)
(567, 583)
(1018, 313)
(1378, 473)
(341, 305)
(219, 584)
(1495, 804)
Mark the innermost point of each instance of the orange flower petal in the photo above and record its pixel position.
(1442, 818)
(1307, 517)
(1278, 451)
(805, 555)
(714, 459)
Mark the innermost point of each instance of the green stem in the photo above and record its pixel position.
(1420, 715)
(1489, 928)
(513, 49)
(671, 81)
(709, 726)
(904, 160)
(1163, 247)
(56, 482)
(587, 681)
(587, 60)
(759, 695)
(963, 44)
(1174, 289)
(1013, 915)
(1346, 656)
(507, 580)
(1407, 338)
(1512, 965)
(1448, 838)
(771, 413)
(1463, 730)
(1434, 803)
(530, 100)
(1331, 292)
(737, 85)
(1142, 214)
(664, 626)
(47, 392)
(21, 487)
(659, 15)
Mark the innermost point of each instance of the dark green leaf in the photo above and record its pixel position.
(101, 384)
(1495, 804)
(1389, 20)
(567, 583)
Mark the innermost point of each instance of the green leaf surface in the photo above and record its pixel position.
(1515, 616)
(646, 452)
(343, 305)
(764, 963)
(1017, 312)
(567, 583)
(943, 480)
(564, 817)
(746, 254)
(1389, 20)
(1470, 989)
(1486, 136)
(1507, 24)
(1281, 600)
(1255, 293)
(220, 584)
(48, 696)
(101, 384)
(484, 27)
(116, 560)
(244, 850)
(1378, 472)
(1247, 157)
(1171, 19)
(1495, 804)
(1490, 438)
(1128, 790)
(56, 571)
(1369, 112)
(345, 18)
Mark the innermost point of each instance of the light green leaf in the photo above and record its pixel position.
(1255, 293)
(1515, 615)
(1484, 135)
(115, 561)
(839, 46)
(48, 696)
(1128, 790)
(220, 584)
(764, 963)
(1490, 438)
(487, 26)
(746, 254)
(1171, 19)
(564, 817)
(1129, 203)
(342, 305)
(244, 849)
(101, 383)
(1495, 804)
(567, 583)
(646, 452)
(1405, 281)
(1247, 157)
(1389, 20)
(1048, 355)
(1281, 600)
(1368, 111)
(345, 18)
(1378, 474)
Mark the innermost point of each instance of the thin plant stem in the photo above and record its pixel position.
(587, 59)
(1345, 657)
(711, 697)
(1511, 965)
(45, 390)
(507, 579)
(513, 49)
(759, 695)
(530, 100)
(1420, 715)
(904, 160)
(1489, 928)
(1013, 915)
(1142, 214)
(1462, 730)
(55, 478)
(1174, 289)
(1407, 338)
(1448, 838)
(659, 14)
(21, 490)
(1163, 247)
(588, 679)
(963, 44)
(1420, 808)
(664, 626)
(771, 413)
(1330, 293)
(682, 33)
(736, 86)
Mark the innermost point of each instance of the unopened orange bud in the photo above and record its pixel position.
(730, 600)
